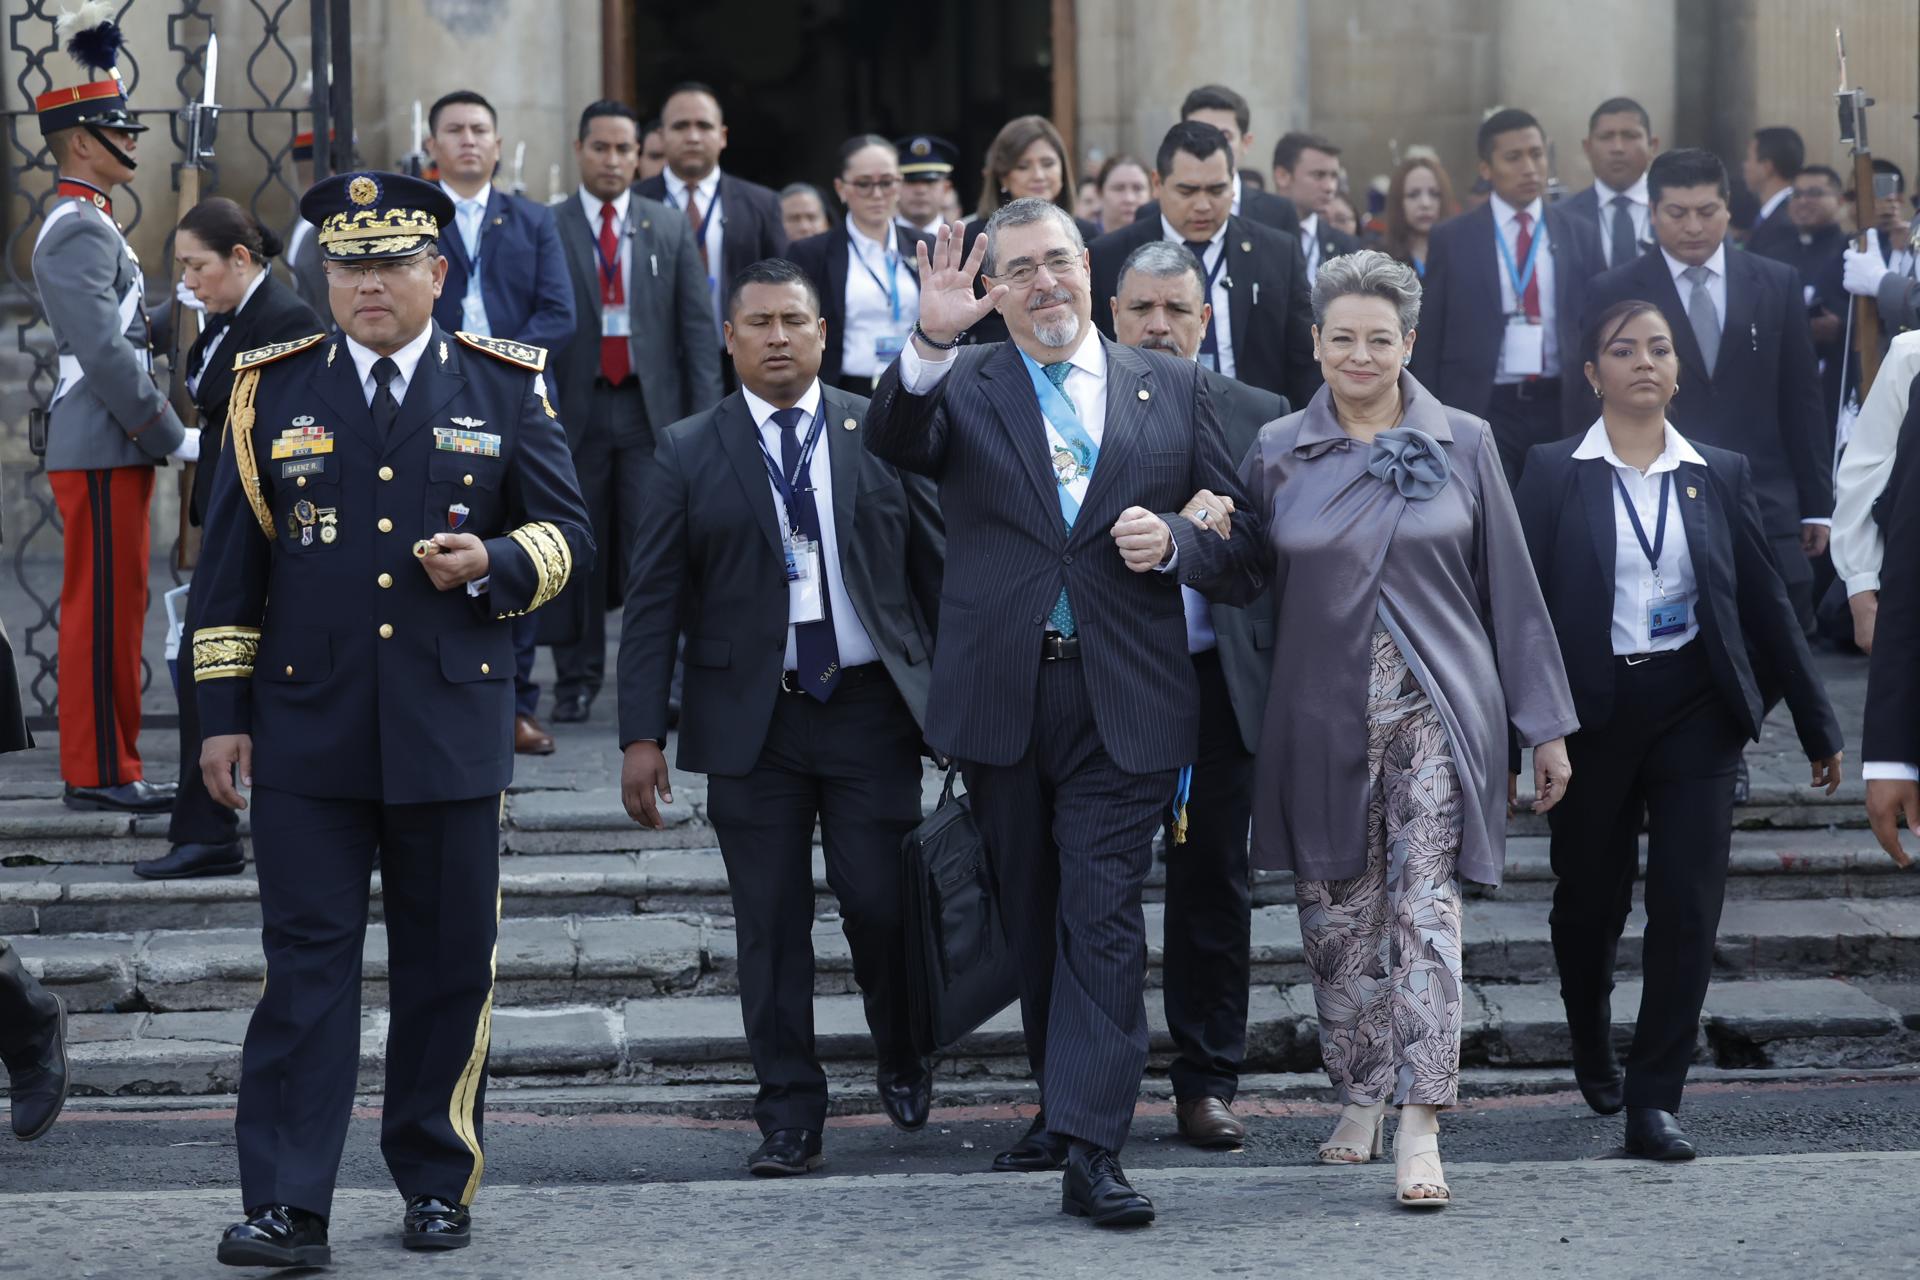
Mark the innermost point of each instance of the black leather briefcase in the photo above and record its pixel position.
(960, 971)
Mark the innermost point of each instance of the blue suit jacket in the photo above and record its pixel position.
(523, 274)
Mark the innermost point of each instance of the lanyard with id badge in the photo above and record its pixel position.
(1523, 351)
(887, 346)
(806, 583)
(616, 321)
(1666, 614)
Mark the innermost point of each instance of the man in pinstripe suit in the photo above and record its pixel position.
(1062, 683)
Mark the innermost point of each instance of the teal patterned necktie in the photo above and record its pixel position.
(1061, 619)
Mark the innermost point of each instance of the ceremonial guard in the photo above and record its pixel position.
(108, 426)
(388, 499)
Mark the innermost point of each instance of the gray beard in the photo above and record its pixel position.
(1061, 333)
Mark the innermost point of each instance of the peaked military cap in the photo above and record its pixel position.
(94, 40)
(367, 217)
(925, 158)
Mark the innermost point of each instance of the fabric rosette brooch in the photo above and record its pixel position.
(1413, 462)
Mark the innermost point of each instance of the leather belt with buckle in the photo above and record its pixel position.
(849, 676)
(1055, 647)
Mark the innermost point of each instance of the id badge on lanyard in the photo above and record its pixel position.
(806, 601)
(1667, 613)
(1523, 351)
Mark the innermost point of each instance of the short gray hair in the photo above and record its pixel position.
(1163, 260)
(804, 189)
(1368, 273)
(1024, 212)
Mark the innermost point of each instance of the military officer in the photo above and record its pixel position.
(388, 499)
(109, 426)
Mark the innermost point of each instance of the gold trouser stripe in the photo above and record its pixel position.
(240, 428)
(466, 1090)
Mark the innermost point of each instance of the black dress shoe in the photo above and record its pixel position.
(37, 1087)
(1096, 1187)
(907, 1098)
(277, 1235)
(1656, 1135)
(786, 1152)
(1038, 1152)
(185, 861)
(128, 797)
(1595, 1068)
(433, 1223)
(571, 708)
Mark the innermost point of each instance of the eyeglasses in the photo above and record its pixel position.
(1059, 264)
(875, 186)
(342, 275)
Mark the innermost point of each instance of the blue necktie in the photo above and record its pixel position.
(816, 651)
(1061, 619)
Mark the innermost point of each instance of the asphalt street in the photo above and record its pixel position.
(1803, 1177)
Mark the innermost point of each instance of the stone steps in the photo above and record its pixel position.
(94, 897)
(694, 1045)
(594, 959)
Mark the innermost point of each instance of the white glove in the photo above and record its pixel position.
(189, 450)
(184, 296)
(1861, 272)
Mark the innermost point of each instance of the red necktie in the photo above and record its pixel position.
(616, 361)
(699, 228)
(1522, 246)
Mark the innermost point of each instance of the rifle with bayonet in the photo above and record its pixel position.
(1853, 103)
(200, 116)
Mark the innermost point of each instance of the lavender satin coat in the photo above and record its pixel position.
(1448, 575)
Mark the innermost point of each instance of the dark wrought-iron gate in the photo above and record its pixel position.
(271, 102)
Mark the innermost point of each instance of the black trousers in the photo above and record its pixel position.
(1209, 904)
(613, 461)
(1669, 752)
(1069, 836)
(440, 877)
(853, 764)
(196, 819)
(28, 1011)
(1796, 571)
(1522, 415)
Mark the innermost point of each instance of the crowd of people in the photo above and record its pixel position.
(1244, 511)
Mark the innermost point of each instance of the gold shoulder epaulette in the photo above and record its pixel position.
(520, 353)
(273, 351)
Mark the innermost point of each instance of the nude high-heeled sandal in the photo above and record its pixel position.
(1359, 1137)
(1416, 1163)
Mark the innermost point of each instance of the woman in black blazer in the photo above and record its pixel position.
(223, 253)
(1675, 630)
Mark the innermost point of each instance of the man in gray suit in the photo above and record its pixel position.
(642, 358)
(302, 260)
(109, 426)
(1160, 304)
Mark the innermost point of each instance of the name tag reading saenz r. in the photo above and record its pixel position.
(481, 443)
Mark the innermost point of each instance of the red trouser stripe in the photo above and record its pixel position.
(103, 608)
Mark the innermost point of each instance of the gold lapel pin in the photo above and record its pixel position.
(1145, 394)
(1692, 492)
(850, 424)
(645, 223)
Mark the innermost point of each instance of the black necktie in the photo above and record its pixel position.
(1626, 242)
(816, 651)
(385, 407)
(1209, 344)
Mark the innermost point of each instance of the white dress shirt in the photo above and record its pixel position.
(407, 357)
(1633, 577)
(1773, 202)
(1236, 192)
(1640, 211)
(1867, 464)
(1219, 295)
(469, 219)
(1310, 244)
(869, 308)
(1506, 225)
(213, 344)
(856, 647)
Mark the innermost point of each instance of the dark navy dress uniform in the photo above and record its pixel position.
(381, 712)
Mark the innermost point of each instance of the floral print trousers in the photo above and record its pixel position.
(1384, 947)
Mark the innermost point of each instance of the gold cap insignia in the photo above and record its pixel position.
(921, 147)
(363, 190)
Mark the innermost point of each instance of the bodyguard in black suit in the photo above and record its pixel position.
(1890, 741)
(1062, 682)
(735, 222)
(1307, 167)
(1261, 332)
(1161, 306)
(1775, 154)
(225, 254)
(640, 359)
(1672, 620)
(1619, 146)
(1227, 110)
(1500, 319)
(805, 688)
(389, 498)
(864, 268)
(1749, 380)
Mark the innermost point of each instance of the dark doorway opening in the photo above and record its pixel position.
(797, 79)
